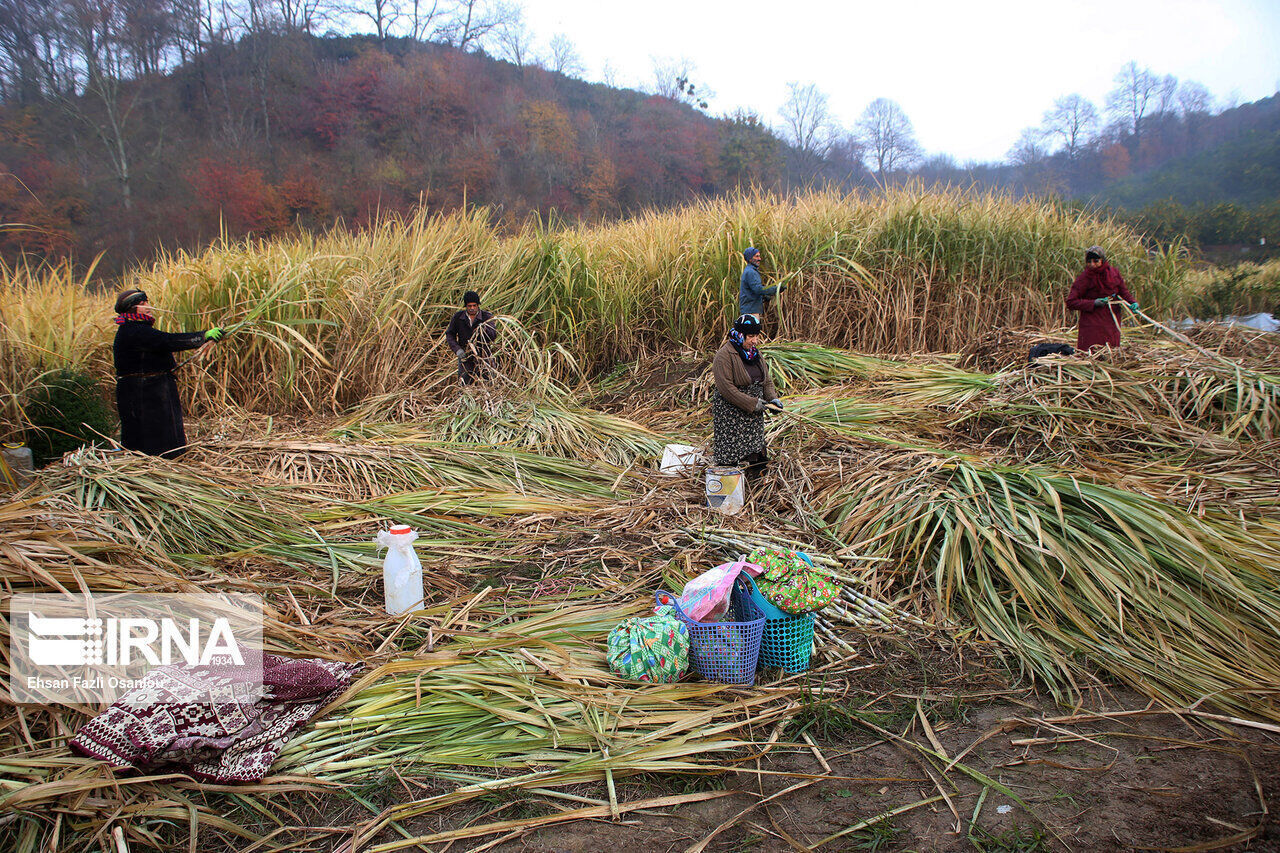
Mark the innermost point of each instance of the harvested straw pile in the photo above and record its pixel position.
(1092, 520)
(939, 495)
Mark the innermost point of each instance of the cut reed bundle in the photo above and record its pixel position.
(356, 471)
(1071, 575)
(554, 425)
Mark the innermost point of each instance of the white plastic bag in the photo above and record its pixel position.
(401, 570)
(679, 458)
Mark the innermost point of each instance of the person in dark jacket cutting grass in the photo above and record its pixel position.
(469, 334)
(146, 390)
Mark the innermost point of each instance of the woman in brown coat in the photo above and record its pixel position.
(743, 390)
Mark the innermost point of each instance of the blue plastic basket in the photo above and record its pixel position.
(723, 651)
(787, 642)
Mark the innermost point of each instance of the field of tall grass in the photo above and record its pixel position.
(1243, 289)
(349, 315)
(1081, 523)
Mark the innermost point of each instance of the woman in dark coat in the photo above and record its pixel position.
(743, 390)
(146, 391)
(1091, 295)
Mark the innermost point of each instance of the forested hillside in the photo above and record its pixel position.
(123, 132)
(272, 133)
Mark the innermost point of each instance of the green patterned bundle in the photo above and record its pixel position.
(650, 648)
(790, 582)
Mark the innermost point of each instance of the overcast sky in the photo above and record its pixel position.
(970, 76)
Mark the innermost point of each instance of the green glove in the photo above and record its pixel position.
(214, 334)
(1100, 301)
(1133, 306)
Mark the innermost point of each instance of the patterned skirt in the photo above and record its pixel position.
(738, 434)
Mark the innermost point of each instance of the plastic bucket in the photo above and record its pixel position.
(16, 468)
(726, 489)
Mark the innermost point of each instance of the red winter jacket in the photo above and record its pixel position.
(1098, 325)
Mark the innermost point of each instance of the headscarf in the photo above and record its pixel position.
(746, 324)
(126, 302)
(739, 342)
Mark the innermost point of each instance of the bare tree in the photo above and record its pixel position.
(673, 78)
(383, 14)
(564, 56)
(887, 136)
(1131, 100)
(808, 125)
(1166, 96)
(469, 22)
(306, 15)
(96, 34)
(514, 39)
(1029, 155)
(1073, 120)
(147, 30)
(32, 64)
(1196, 104)
(1029, 149)
(1194, 99)
(843, 161)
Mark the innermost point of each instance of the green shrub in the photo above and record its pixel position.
(65, 411)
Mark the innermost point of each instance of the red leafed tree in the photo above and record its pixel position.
(240, 195)
(334, 112)
(304, 199)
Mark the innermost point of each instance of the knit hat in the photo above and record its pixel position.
(1094, 253)
(469, 297)
(749, 253)
(129, 300)
(747, 324)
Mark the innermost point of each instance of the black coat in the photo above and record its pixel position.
(146, 391)
(462, 331)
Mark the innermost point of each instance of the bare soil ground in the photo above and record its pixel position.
(1114, 774)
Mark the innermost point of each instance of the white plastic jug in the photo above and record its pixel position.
(401, 570)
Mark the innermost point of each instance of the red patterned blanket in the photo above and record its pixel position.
(212, 721)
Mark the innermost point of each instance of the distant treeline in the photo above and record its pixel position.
(1210, 225)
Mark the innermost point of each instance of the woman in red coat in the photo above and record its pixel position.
(1090, 294)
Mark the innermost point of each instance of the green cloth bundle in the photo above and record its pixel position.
(791, 583)
(650, 648)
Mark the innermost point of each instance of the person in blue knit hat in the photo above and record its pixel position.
(752, 294)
